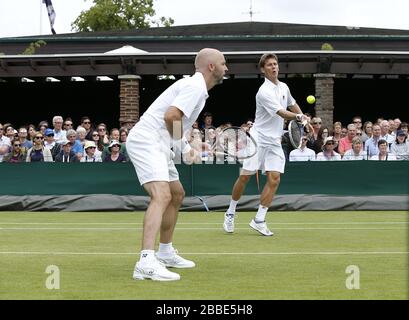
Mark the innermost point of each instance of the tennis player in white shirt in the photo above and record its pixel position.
(272, 100)
(148, 146)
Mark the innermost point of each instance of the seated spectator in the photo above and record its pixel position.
(367, 131)
(357, 121)
(207, 121)
(328, 153)
(371, 145)
(31, 132)
(90, 156)
(50, 143)
(404, 126)
(68, 124)
(385, 135)
(400, 147)
(76, 145)
(302, 153)
(17, 154)
(115, 154)
(22, 135)
(123, 135)
(66, 154)
(323, 133)
(59, 133)
(38, 153)
(356, 153)
(10, 132)
(345, 143)
(103, 136)
(100, 147)
(114, 136)
(383, 154)
(5, 143)
(87, 125)
(42, 126)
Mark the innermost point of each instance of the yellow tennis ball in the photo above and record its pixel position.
(310, 99)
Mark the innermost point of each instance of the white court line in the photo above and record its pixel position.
(201, 223)
(215, 253)
(181, 229)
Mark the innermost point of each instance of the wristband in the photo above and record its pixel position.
(298, 116)
(185, 146)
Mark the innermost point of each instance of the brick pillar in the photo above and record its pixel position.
(324, 94)
(129, 100)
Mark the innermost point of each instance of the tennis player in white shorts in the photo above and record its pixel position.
(272, 100)
(149, 147)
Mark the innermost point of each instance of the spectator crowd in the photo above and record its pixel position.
(60, 142)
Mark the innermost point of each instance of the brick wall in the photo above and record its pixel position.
(324, 94)
(129, 100)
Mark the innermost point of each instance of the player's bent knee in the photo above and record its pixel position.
(244, 178)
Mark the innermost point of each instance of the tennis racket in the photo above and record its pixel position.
(235, 142)
(295, 132)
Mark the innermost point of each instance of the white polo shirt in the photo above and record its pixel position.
(188, 95)
(305, 154)
(270, 99)
(4, 141)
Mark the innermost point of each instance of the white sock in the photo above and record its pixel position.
(261, 214)
(232, 207)
(147, 256)
(165, 249)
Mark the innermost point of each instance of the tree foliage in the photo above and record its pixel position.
(112, 15)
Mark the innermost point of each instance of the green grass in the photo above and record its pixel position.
(305, 259)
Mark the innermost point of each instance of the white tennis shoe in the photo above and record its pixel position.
(154, 270)
(261, 227)
(174, 260)
(228, 224)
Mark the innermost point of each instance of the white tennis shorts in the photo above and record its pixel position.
(151, 156)
(267, 158)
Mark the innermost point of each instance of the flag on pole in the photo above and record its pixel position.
(51, 14)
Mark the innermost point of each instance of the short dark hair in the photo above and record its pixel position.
(382, 141)
(265, 57)
(207, 114)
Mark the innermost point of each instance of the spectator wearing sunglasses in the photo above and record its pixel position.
(115, 154)
(38, 153)
(400, 147)
(328, 153)
(100, 147)
(87, 125)
(68, 124)
(302, 153)
(90, 155)
(17, 154)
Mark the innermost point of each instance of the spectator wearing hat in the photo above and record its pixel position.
(22, 136)
(356, 153)
(59, 133)
(383, 154)
(302, 153)
(115, 136)
(400, 147)
(38, 153)
(89, 153)
(50, 143)
(328, 153)
(66, 154)
(115, 154)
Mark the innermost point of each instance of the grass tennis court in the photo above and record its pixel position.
(307, 257)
